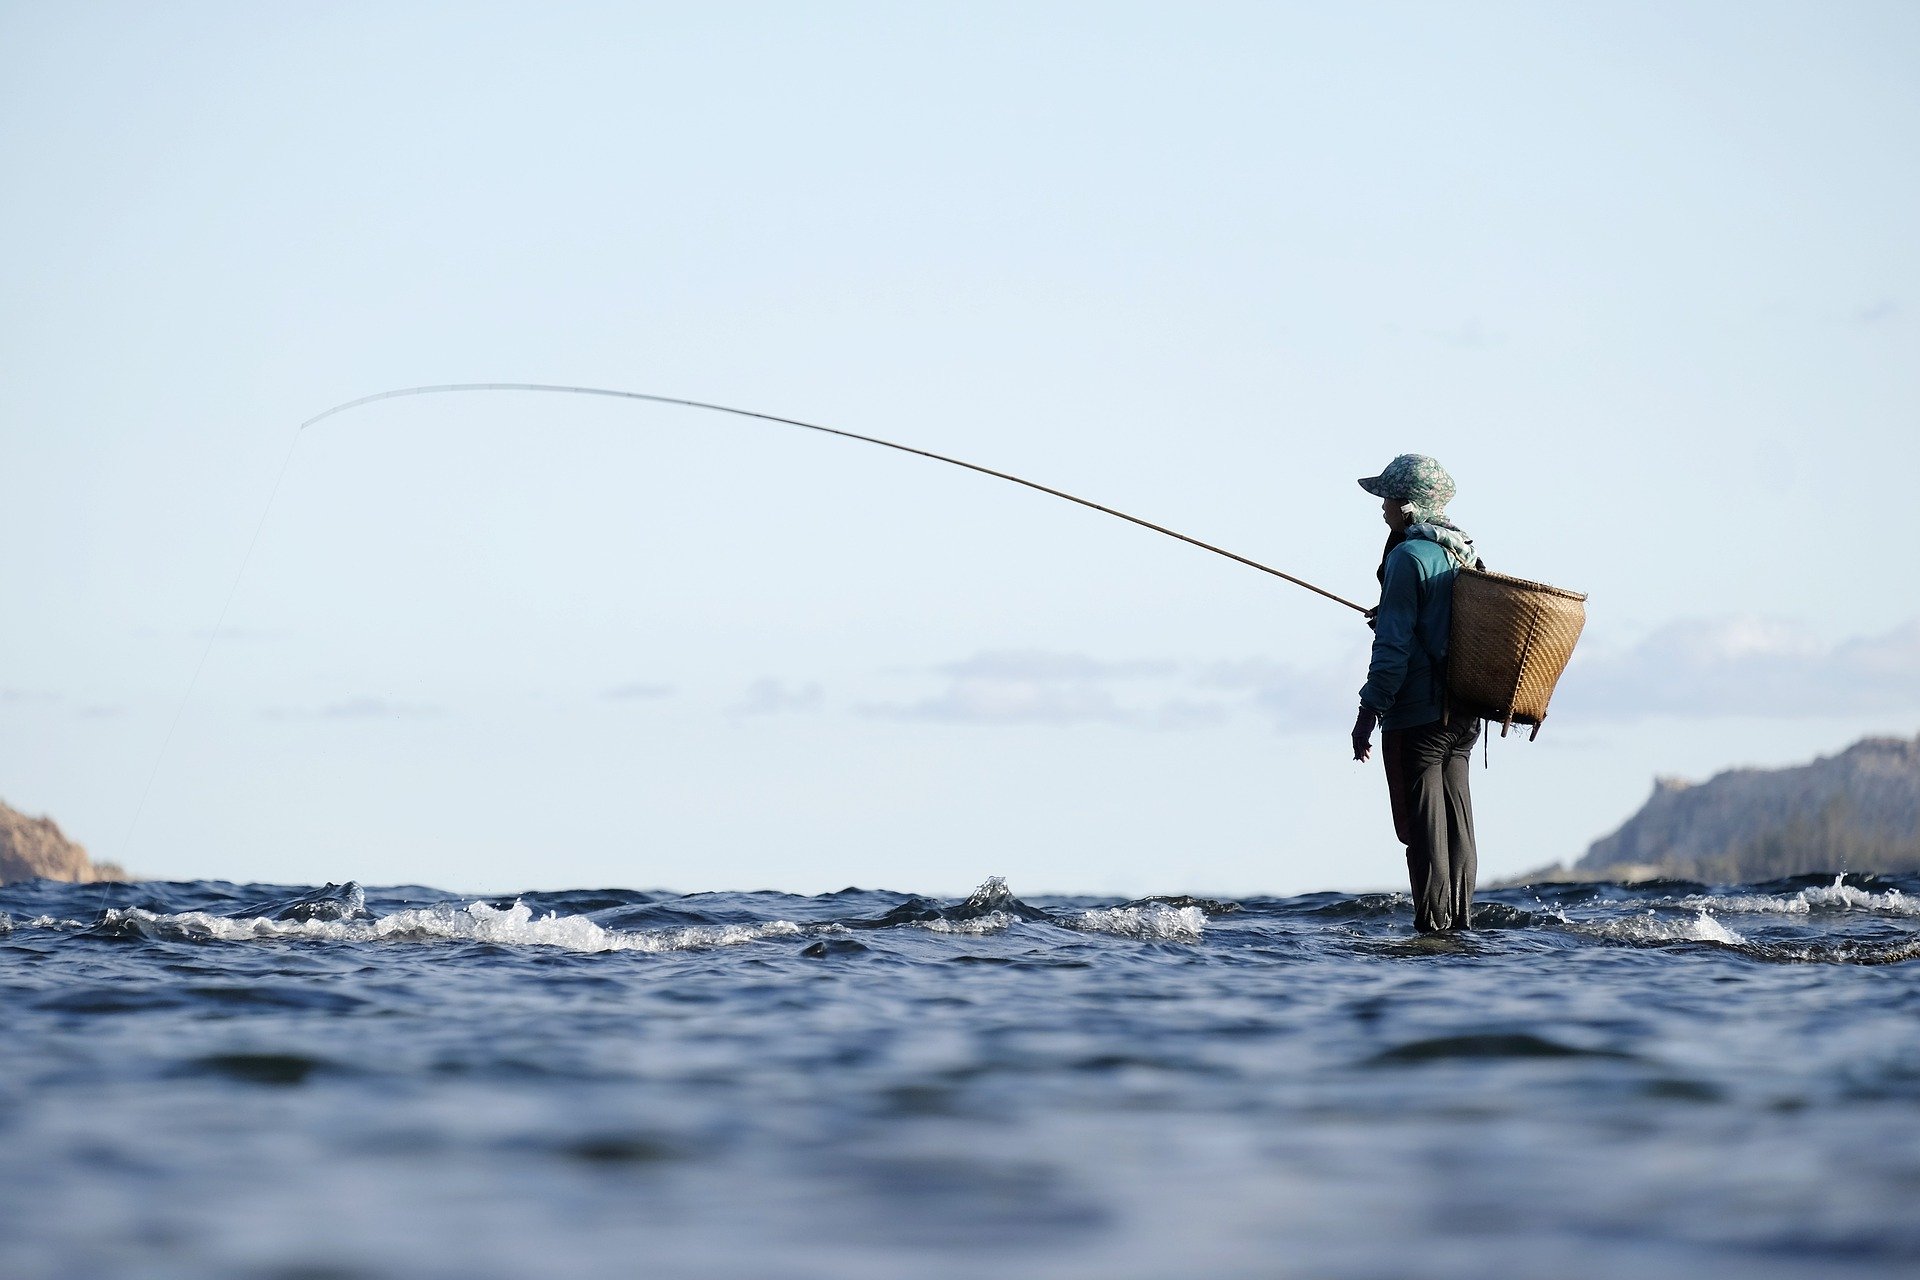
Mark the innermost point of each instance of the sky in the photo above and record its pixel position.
(1644, 277)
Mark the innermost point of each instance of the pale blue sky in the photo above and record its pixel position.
(1644, 277)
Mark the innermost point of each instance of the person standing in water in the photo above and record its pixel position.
(1426, 751)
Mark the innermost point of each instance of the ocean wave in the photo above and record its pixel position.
(337, 913)
(477, 922)
(1155, 922)
(993, 908)
(329, 902)
(991, 922)
(1359, 906)
(1809, 920)
(1651, 928)
(1862, 953)
(1838, 896)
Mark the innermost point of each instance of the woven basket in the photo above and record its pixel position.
(1509, 643)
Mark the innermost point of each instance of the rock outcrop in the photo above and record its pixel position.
(1855, 811)
(32, 847)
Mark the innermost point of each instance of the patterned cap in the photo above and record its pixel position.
(1416, 480)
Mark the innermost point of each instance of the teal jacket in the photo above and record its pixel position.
(1405, 683)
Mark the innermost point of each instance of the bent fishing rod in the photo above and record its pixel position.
(832, 431)
(445, 388)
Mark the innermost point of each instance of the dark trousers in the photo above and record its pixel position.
(1433, 816)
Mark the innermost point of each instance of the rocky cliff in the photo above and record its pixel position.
(32, 847)
(1855, 811)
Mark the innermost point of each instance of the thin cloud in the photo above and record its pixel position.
(1041, 687)
(637, 692)
(991, 701)
(83, 711)
(379, 709)
(1470, 335)
(1046, 665)
(361, 708)
(1747, 667)
(767, 697)
(1293, 698)
(1177, 714)
(241, 633)
(1878, 311)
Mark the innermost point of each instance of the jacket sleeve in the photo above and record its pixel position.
(1393, 632)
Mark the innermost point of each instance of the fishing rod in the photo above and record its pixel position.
(139, 807)
(832, 431)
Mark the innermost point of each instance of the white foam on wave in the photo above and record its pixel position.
(1156, 921)
(477, 922)
(992, 922)
(1838, 896)
(1652, 928)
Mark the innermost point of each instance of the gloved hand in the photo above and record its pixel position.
(1363, 734)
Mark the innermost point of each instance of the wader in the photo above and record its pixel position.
(1433, 816)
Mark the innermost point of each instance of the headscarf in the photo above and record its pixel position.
(1451, 537)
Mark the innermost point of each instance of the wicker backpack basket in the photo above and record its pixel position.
(1509, 642)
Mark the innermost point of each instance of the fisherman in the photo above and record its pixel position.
(1425, 749)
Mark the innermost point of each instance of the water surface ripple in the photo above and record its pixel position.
(216, 1080)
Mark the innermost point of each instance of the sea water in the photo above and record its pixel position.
(1670, 1080)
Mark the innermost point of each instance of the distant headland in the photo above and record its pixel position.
(31, 847)
(1855, 811)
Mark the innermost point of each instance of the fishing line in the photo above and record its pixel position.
(445, 388)
(832, 431)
